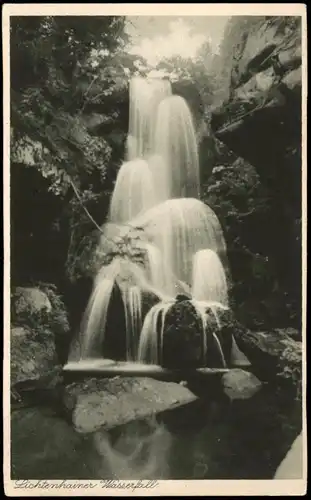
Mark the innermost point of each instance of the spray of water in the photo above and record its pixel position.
(180, 228)
(130, 277)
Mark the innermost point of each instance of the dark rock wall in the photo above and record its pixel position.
(260, 121)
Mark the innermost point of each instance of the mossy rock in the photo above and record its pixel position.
(275, 358)
(108, 403)
(33, 355)
(41, 311)
(183, 338)
(30, 299)
(40, 305)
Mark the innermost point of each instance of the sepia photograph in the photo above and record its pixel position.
(155, 279)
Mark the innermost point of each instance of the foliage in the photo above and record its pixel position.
(69, 112)
(196, 70)
(129, 246)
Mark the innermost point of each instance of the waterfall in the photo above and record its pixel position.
(161, 237)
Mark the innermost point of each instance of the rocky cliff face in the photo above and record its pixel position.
(260, 121)
(261, 118)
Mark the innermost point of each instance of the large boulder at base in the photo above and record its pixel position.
(33, 355)
(109, 403)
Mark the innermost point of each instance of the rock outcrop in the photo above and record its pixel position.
(39, 334)
(260, 121)
(276, 358)
(32, 355)
(183, 338)
(32, 300)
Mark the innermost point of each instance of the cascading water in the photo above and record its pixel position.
(133, 193)
(176, 142)
(156, 196)
(209, 282)
(133, 306)
(144, 94)
(180, 228)
(153, 330)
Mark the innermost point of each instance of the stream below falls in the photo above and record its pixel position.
(206, 439)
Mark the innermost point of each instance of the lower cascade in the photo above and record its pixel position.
(159, 244)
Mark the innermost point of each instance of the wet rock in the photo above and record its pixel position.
(239, 384)
(181, 297)
(114, 345)
(112, 402)
(33, 300)
(149, 300)
(183, 339)
(275, 357)
(32, 355)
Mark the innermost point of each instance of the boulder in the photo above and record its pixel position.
(104, 404)
(239, 384)
(275, 358)
(33, 355)
(183, 338)
(40, 310)
(33, 300)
